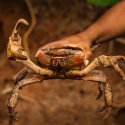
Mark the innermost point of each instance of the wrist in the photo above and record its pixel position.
(92, 33)
(85, 37)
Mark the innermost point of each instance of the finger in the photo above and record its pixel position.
(88, 54)
(60, 44)
(86, 62)
(52, 45)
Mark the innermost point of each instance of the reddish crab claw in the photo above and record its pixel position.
(58, 62)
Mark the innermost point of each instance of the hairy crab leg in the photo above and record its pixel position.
(102, 61)
(21, 75)
(102, 78)
(15, 94)
(114, 63)
(100, 87)
(38, 70)
(98, 77)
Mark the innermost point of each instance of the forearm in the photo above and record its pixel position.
(109, 26)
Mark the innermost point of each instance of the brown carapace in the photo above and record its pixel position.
(58, 59)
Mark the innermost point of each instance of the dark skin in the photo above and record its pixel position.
(111, 25)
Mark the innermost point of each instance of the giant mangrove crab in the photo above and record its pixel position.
(55, 61)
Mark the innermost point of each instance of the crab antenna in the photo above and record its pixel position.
(17, 27)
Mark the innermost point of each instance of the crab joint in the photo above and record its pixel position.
(93, 65)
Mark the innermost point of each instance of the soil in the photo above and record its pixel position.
(57, 102)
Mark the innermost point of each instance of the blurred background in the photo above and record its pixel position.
(58, 102)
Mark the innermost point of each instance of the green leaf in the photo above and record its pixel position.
(103, 2)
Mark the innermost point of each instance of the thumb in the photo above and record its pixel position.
(88, 54)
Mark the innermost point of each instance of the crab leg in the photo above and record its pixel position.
(21, 75)
(102, 61)
(93, 65)
(98, 76)
(15, 94)
(114, 63)
(100, 87)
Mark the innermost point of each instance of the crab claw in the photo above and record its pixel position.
(17, 27)
(14, 49)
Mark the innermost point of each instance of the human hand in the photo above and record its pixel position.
(75, 41)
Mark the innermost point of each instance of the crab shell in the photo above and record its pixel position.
(60, 58)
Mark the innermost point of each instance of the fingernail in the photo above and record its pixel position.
(86, 62)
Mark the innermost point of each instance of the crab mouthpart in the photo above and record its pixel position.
(58, 63)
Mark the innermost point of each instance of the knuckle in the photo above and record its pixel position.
(88, 54)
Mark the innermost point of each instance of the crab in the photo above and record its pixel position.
(55, 61)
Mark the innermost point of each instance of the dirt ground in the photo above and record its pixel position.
(57, 102)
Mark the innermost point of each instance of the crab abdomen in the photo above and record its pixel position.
(66, 58)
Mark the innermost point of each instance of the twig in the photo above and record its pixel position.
(30, 29)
